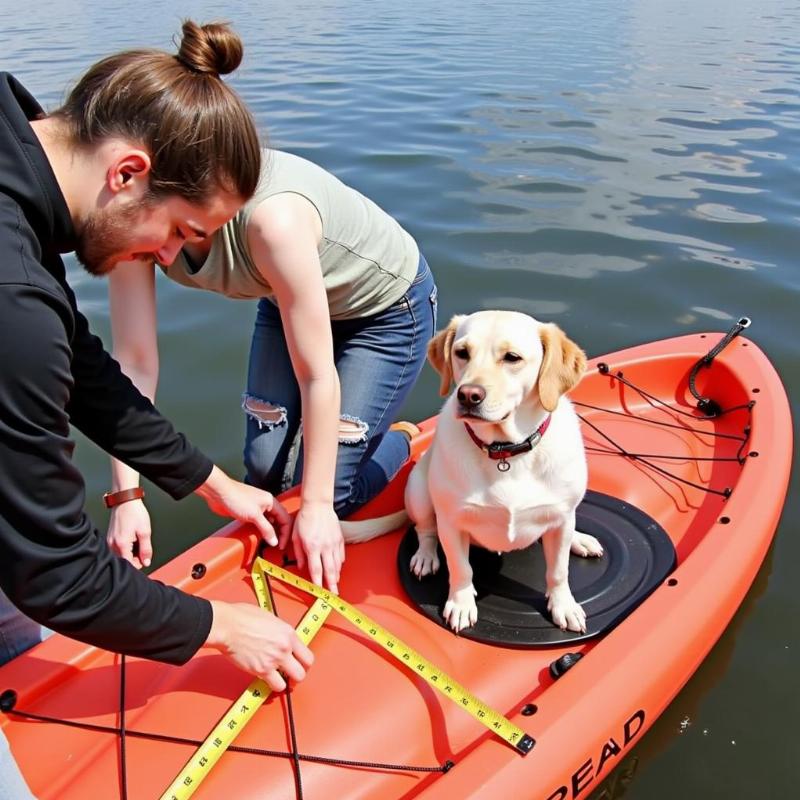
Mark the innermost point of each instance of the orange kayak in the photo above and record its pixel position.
(705, 488)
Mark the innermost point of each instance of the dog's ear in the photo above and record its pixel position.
(562, 367)
(439, 353)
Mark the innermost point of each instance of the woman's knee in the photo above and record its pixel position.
(265, 441)
(368, 459)
(352, 431)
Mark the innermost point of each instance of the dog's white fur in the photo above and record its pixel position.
(456, 494)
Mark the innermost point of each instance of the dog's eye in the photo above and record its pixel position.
(461, 353)
(512, 358)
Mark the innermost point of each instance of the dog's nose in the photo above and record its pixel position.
(471, 395)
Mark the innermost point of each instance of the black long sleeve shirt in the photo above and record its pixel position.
(54, 564)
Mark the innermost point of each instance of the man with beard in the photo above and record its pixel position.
(150, 150)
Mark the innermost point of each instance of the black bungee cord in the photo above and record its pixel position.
(8, 701)
(166, 738)
(706, 404)
(298, 778)
(710, 410)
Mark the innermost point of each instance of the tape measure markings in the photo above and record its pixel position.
(242, 709)
(487, 716)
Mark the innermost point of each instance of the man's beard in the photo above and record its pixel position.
(106, 236)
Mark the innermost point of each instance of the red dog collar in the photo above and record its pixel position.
(502, 451)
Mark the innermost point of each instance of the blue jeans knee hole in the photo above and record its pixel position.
(266, 414)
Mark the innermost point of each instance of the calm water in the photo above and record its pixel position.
(627, 169)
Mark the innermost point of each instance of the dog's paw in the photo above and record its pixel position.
(566, 613)
(585, 545)
(461, 610)
(426, 560)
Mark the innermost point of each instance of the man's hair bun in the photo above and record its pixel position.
(212, 49)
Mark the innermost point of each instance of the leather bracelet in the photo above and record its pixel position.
(112, 499)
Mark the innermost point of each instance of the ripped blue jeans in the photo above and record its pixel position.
(378, 360)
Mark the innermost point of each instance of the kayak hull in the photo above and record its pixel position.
(358, 705)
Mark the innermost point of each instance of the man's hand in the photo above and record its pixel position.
(128, 527)
(259, 643)
(230, 498)
(317, 538)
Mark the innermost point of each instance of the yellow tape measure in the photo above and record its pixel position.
(243, 709)
(494, 721)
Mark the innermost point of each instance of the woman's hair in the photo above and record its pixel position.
(200, 135)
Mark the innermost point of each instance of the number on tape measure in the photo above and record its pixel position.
(450, 688)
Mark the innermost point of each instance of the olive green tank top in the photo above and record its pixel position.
(368, 260)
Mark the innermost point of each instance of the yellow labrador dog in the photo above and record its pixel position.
(507, 464)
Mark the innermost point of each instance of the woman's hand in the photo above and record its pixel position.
(129, 533)
(318, 540)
